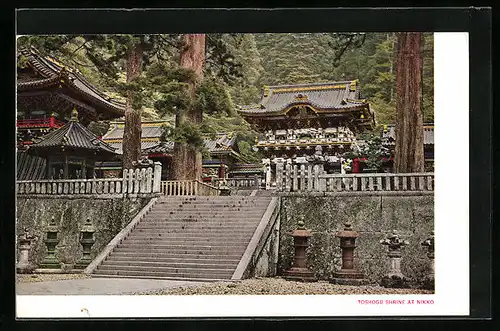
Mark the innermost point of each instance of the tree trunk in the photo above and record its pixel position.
(409, 120)
(187, 161)
(132, 130)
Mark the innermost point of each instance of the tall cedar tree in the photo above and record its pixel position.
(409, 120)
(187, 161)
(132, 131)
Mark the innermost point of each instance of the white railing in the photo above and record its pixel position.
(312, 178)
(251, 182)
(133, 182)
(187, 187)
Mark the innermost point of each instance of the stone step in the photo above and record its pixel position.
(163, 249)
(102, 275)
(162, 275)
(170, 270)
(178, 264)
(215, 210)
(207, 210)
(214, 198)
(220, 223)
(187, 243)
(207, 215)
(170, 255)
(213, 202)
(166, 245)
(195, 226)
(181, 259)
(200, 237)
(196, 232)
(202, 219)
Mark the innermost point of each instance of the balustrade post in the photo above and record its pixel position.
(309, 177)
(142, 188)
(156, 177)
(279, 176)
(302, 177)
(137, 179)
(149, 180)
(288, 177)
(429, 183)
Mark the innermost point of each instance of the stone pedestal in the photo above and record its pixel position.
(51, 240)
(348, 274)
(428, 281)
(86, 240)
(299, 270)
(23, 265)
(394, 277)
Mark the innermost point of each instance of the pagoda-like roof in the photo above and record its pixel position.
(151, 143)
(72, 135)
(51, 73)
(339, 96)
(222, 144)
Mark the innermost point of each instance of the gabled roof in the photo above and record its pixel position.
(52, 73)
(224, 143)
(390, 134)
(150, 135)
(322, 97)
(72, 135)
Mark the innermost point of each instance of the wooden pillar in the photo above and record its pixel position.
(84, 169)
(222, 171)
(49, 167)
(355, 166)
(66, 167)
(52, 122)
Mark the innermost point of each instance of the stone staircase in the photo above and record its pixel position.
(189, 238)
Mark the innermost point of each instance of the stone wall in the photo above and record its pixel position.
(373, 217)
(267, 261)
(108, 216)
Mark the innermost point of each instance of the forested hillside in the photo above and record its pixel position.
(238, 65)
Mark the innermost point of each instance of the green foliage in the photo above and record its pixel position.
(188, 133)
(371, 147)
(213, 97)
(99, 128)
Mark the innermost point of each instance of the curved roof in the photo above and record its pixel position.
(389, 134)
(321, 97)
(72, 135)
(52, 73)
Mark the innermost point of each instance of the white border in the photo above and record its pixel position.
(451, 227)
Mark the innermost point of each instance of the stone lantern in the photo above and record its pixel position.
(395, 277)
(51, 240)
(24, 242)
(348, 274)
(299, 270)
(428, 282)
(86, 240)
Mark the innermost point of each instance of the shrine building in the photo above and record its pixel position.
(297, 122)
(47, 92)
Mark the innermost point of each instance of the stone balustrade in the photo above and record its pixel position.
(138, 181)
(246, 182)
(187, 187)
(312, 178)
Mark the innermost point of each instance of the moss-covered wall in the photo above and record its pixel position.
(267, 261)
(373, 217)
(108, 216)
